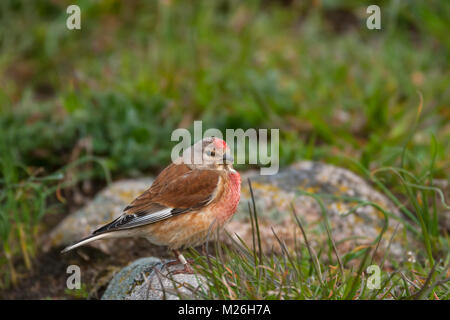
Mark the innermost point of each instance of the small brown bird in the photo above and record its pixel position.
(196, 194)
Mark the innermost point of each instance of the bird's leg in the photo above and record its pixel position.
(205, 253)
(180, 260)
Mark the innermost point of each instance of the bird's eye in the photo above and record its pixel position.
(211, 153)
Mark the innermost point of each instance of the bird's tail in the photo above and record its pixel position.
(84, 241)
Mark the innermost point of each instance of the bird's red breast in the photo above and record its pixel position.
(231, 196)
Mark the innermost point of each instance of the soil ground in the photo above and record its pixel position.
(48, 278)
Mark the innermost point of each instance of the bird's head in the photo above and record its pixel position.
(211, 153)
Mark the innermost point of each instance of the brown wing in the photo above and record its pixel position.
(176, 190)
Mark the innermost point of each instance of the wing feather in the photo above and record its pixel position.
(177, 190)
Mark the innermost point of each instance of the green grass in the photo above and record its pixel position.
(132, 75)
(113, 92)
(22, 205)
(244, 271)
(25, 197)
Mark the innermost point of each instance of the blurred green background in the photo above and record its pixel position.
(107, 97)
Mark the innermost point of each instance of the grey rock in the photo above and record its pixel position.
(275, 194)
(105, 207)
(150, 279)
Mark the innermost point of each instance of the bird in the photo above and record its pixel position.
(192, 197)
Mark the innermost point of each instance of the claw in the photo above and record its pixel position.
(180, 260)
(177, 262)
(187, 269)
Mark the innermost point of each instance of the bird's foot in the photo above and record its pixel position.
(187, 269)
(180, 260)
(177, 262)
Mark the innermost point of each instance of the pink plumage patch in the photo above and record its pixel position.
(231, 196)
(219, 143)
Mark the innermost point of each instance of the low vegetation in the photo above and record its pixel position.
(77, 107)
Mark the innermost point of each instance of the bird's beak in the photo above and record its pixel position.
(228, 158)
